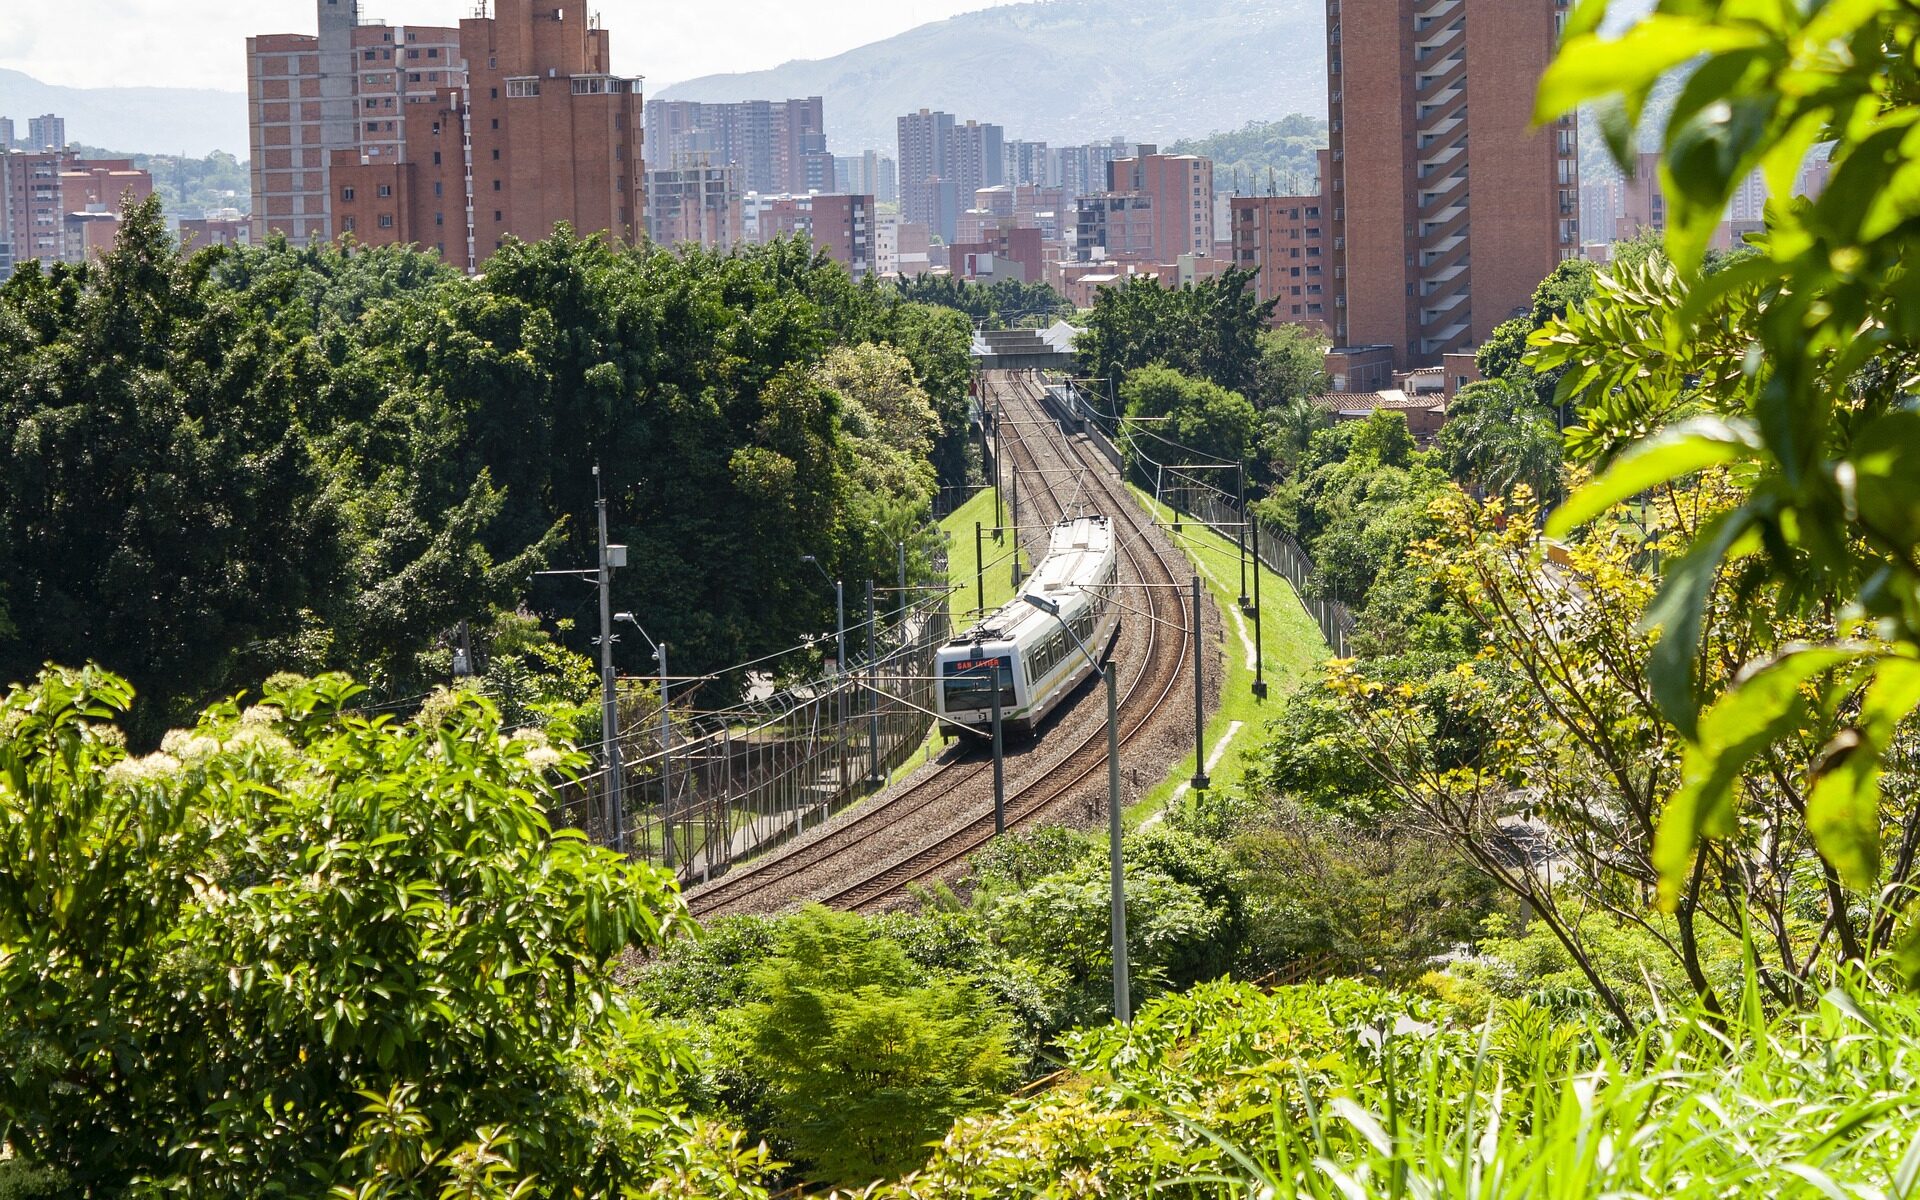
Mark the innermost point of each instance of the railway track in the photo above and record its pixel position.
(868, 858)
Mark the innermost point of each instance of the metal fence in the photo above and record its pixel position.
(1189, 495)
(732, 783)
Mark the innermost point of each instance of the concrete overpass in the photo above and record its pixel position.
(1025, 349)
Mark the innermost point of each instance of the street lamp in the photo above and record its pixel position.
(1117, 873)
(666, 742)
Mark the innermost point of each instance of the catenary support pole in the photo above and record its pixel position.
(1117, 874)
(1014, 496)
(609, 692)
(979, 572)
(999, 760)
(874, 775)
(666, 763)
(1243, 539)
(1259, 646)
(999, 513)
(1200, 781)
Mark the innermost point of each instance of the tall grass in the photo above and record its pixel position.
(1345, 1092)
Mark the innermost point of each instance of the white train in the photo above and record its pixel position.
(1022, 650)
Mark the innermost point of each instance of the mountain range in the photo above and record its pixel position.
(1065, 71)
(190, 121)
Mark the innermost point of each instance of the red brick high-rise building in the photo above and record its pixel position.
(58, 207)
(1180, 187)
(1438, 238)
(1285, 240)
(449, 139)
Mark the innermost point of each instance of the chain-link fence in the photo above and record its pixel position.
(729, 784)
(1188, 494)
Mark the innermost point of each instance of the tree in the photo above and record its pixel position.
(1497, 440)
(1184, 421)
(1292, 367)
(300, 947)
(869, 1059)
(1210, 330)
(1503, 356)
(162, 507)
(1792, 364)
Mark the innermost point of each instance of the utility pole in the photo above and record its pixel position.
(609, 692)
(1245, 516)
(1117, 875)
(1016, 528)
(902, 545)
(1200, 781)
(1116, 867)
(999, 514)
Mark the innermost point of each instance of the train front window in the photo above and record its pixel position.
(969, 684)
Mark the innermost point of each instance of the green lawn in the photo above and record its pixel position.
(961, 562)
(1291, 643)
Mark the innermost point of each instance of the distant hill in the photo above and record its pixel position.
(190, 121)
(1066, 71)
(1262, 157)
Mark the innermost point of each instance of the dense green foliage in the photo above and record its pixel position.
(1344, 1091)
(297, 948)
(1210, 330)
(242, 461)
(1002, 305)
(1791, 371)
(1263, 157)
(1173, 420)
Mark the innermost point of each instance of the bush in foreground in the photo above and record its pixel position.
(300, 949)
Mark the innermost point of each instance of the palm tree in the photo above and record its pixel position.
(1496, 438)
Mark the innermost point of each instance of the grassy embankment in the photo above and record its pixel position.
(1291, 648)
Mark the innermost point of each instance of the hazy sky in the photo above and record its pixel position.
(201, 43)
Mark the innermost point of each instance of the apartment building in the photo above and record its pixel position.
(778, 145)
(1438, 238)
(57, 207)
(844, 227)
(451, 139)
(696, 202)
(943, 162)
(1180, 187)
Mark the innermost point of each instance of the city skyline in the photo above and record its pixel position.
(148, 43)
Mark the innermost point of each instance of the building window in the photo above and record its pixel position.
(413, 77)
(496, 185)
(496, 156)
(439, 188)
(436, 158)
(434, 52)
(386, 191)
(346, 225)
(524, 88)
(386, 220)
(439, 218)
(496, 122)
(497, 216)
(346, 194)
